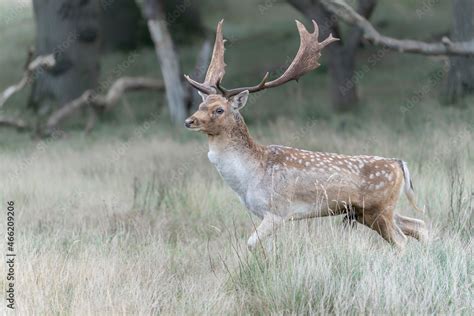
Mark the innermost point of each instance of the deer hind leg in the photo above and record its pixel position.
(384, 224)
(412, 227)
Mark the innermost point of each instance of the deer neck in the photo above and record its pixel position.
(234, 139)
(236, 156)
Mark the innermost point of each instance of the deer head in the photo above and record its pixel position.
(220, 108)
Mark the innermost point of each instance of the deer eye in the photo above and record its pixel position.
(219, 110)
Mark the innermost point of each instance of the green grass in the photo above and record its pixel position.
(133, 218)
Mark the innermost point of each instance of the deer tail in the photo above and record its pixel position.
(408, 187)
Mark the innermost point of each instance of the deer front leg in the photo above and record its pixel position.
(268, 225)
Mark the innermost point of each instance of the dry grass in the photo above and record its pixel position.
(120, 223)
(146, 226)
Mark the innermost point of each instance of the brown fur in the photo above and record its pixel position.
(368, 186)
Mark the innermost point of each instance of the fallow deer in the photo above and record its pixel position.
(279, 183)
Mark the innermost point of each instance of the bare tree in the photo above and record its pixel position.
(89, 99)
(170, 68)
(460, 80)
(68, 29)
(446, 47)
(341, 54)
(104, 102)
(31, 68)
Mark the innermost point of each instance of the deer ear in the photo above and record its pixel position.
(239, 101)
(203, 96)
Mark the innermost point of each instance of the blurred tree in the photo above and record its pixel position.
(70, 30)
(184, 20)
(176, 94)
(122, 25)
(341, 54)
(460, 80)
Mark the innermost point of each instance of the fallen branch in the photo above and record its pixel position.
(30, 68)
(106, 102)
(347, 14)
(125, 84)
(13, 122)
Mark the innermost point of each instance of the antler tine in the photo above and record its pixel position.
(306, 59)
(232, 92)
(315, 26)
(204, 88)
(221, 88)
(216, 69)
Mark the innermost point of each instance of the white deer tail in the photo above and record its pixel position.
(408, 187)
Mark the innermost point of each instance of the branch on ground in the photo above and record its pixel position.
(13, 122)
(347, 14)
(105, 102)
(31, 67)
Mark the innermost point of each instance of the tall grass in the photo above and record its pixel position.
(156, 230)
(461, 202)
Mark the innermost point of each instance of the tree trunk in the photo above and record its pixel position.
(341, 68)
(344, 93)
(341, 54)
(69, 29)
(170, 67)
(460, 79)
(345, 65)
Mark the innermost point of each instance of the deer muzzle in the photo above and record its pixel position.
(190, 122)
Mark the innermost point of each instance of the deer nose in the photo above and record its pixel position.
(188, 122)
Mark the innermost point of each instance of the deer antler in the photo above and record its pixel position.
(306, 59)
(216, 69)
